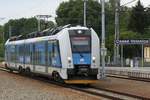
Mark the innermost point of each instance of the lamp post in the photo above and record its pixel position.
(117, 32)
(85, 2)
(103, 49)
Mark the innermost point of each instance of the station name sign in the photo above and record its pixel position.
(131, 42)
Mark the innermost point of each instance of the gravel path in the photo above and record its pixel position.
(15, 87)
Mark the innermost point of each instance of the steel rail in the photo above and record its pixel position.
(129, 77)
(122, 93)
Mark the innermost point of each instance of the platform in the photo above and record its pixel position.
(141, 72)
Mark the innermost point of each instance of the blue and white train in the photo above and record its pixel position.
(70, 54)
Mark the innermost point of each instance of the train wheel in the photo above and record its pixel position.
(6, 66)
(28, 71)
(10, 70)
(57, 77)
(20, 70)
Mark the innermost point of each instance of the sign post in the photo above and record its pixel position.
(131, 42)
(122, 55)
(142, 55)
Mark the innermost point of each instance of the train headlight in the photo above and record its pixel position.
(94, 59)
(79, 32)
(69, 60)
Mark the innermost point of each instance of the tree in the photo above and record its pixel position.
(24, 26)
(148, 18)
(1, 43)
(112, 4)
(1, 28)
(138, 19)
(71, 12)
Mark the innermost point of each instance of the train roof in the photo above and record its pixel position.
(44, 34)
(47, 32)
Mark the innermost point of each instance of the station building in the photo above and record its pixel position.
(147, 53)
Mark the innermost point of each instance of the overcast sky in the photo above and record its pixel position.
(14, 9)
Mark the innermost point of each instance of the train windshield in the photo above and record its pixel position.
(81, 43)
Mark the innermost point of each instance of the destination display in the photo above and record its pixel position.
(131, 42)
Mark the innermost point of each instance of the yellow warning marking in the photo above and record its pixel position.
(80, 81)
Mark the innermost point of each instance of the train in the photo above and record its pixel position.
(70, 54)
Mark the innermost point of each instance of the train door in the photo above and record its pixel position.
(54, 61)
(12, 54)
(7, 55)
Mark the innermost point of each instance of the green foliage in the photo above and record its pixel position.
(129, 35)
(138, 19)
(24, 26)
(1, 29)
(71, 12)
(1, 43)
(1, 49)
(148, 20)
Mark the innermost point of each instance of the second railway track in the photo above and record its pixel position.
(129, 78)
(99, 92)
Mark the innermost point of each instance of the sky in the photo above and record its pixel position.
(14, 9)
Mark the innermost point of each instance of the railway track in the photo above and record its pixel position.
(99, 92)
(129, 78)
(124, 95)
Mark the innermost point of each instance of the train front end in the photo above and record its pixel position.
(85, 57)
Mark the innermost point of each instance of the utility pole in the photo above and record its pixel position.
(39, 25)
(39, 17)
(117, 32)
(85, 2)
(103, 49)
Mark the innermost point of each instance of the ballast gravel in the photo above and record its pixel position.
(16, 87)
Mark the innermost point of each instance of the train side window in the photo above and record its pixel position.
(40, 53)
(53, 50)
(50, 52)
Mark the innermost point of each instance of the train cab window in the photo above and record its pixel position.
(80, 41)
